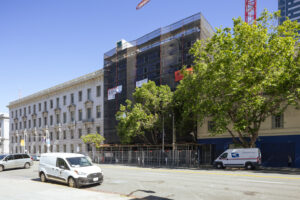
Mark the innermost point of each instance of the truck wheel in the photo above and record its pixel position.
(43, 177)
(248, 166)
(219, 166)
(1, 168)
(72, 183)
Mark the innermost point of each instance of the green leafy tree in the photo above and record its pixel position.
(185, 122)
(143, 120)
(94, 139)
(242, 76)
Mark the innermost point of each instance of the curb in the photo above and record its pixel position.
(209, 167)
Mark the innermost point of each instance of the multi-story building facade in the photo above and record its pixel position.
(279, 139)
(279, 136)
(156, 56)
(4, 133)
(53, 120)
(289, 8)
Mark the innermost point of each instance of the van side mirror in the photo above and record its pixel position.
(62, 167)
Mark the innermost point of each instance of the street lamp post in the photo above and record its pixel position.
(163, 134)
(47, 138)
(25, 134)
(174, 132)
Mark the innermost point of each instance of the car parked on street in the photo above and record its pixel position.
(35, 158)
(250, 158)
(74, 169)
(10, 161)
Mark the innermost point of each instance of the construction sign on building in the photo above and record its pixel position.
(111, 93)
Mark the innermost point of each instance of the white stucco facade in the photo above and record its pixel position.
(58, 116)
(4, 133)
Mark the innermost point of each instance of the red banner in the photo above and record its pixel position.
(179, 75)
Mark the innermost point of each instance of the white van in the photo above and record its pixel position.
(74, 169)
(248, 158)
(15, 161)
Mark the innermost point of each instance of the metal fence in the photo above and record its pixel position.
(154, 158)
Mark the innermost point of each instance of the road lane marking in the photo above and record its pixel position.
(254, 181)
(204, 173)
(155, 173)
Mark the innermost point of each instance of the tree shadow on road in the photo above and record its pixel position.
(150, 197)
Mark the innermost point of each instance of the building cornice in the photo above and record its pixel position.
(57, 88)
(4, 116)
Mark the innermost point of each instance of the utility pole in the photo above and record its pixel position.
(163, 134)
(174, 132)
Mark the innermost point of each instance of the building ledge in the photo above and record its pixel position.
(24, 118)
(45, 114)
(88, 104)
(72, 107)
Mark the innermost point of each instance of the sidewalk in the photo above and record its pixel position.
(35, 190)
(211, 167)
(281, 169)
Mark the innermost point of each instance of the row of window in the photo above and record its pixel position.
(89, 91)
(277, 122)
(42, 138)
(38, 149)
(23, 124)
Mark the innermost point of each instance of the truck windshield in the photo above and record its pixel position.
(2, 156)
(79, 162)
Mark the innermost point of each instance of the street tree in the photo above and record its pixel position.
(94, 139)
(143, 119)
(242, 76)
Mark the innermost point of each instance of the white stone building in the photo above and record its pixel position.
(4, 133)
(54, 119)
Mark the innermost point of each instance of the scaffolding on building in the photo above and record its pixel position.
(155, 56)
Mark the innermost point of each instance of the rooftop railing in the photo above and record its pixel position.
(156, 33)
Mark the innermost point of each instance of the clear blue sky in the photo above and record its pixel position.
(47, 42)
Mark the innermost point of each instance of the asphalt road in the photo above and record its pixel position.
(122, 182)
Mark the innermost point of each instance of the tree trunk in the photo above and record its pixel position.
(253, 139)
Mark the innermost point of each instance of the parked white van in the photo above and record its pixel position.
(248, 158)
(74, 169)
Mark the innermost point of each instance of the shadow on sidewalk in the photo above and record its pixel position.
(62, 184)
(151, 197)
